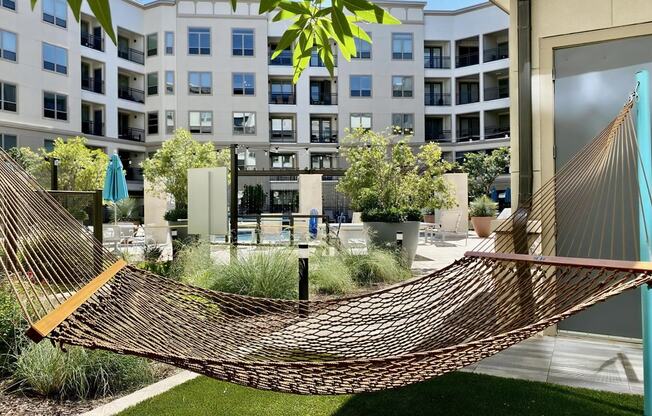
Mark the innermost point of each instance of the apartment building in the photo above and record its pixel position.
(440, 76)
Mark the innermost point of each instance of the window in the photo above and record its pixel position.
(169, 121)
(169, 43)
(152, 122)
(244, 123)
(55, 12)
(403, 124)
(152, 83)
(152, 44)
(8, 97)
(322, 161)
(282, 129)
(242, 42)
(200, 122)
(363, 48)
(8, 4)
(401, 45)
(8, 141)
(360, 85)
(48, 145)
(361, 121)
(199, 41)
(402, 86)
(55, 58)
(200, 83)
(7, 45)
(55, 106)
(281, 92)
(322, 130)
(282, 160)
(244, 83)
(169, 82)
(247, 159)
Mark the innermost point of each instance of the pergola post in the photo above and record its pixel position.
(644, 138)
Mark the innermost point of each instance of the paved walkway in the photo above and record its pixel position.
(592, 362)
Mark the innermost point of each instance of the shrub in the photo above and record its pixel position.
(377, 266)
(125, 210)
(12, 328)
(391, 215)
(271, 273)
(78, 373)
(193, 265)
(482, 206)
(330, 275)
(176, 214)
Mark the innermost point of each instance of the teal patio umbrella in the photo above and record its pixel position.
(115, 183)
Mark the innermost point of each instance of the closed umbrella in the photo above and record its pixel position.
(115, 183)
(312, 224)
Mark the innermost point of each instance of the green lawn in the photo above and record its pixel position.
(453, 394)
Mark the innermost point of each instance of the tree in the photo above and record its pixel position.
(167, 170)
(391, 181)
(483, 169)
(314, 23)
(253, 199)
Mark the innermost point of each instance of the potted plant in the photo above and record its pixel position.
(482, 211)
(167, 172)
(390, 185)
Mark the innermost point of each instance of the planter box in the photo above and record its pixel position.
(383, 234)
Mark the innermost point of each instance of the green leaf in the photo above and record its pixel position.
(370, 12)
(282, 15)
(75, 6)
(330, 32)
(294, 7)
(357, 31)
(342, 29)
(302, 52)
(33, 3)
(286, 40)
(234, 4)
(102, 11)
(267, 6)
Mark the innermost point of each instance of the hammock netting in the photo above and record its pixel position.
(410, 332)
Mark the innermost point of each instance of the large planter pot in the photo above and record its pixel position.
(180, 228)
(383, 234)
(482, 226)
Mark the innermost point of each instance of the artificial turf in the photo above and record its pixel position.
(452, 394)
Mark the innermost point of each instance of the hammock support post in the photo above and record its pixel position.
(644, 138)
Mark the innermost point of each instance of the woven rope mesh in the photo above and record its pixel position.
(403, 334)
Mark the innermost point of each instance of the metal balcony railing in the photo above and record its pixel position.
(282, 98)
(283, 59)
(134, 174)
(437, 99)
(323, 99)
(323, 138)
(284, 136)
(494, 54)
(468, 135)
(96, 128)
(495, 93)
(132, 55)
(467, 59)
(437, 62)
(131, 133)
(92, 84)
(91, 41)
(496, 132)
(468, 98)
(131, 94)
(442, 136)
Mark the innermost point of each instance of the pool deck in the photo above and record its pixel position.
(576, 360)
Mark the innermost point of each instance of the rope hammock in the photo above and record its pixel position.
(528, 276)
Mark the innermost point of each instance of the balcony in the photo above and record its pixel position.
(282, 136)
(496, 93)
(323, 99)
(91, 41)
(496, 132)
(437, 62)
(134, 174)
(441, 136)
(282, 98)
(497, 53)
(468, 135)
(437, 99)
(467, 97)
(92, 84)
(467, 59)
(323, 138)
(131, 133)
(283, 59)
(131, 94)
(283, 178)
(95, 128)
(132, 55)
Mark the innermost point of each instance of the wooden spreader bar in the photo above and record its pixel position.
(45, 325)
(622, 265)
